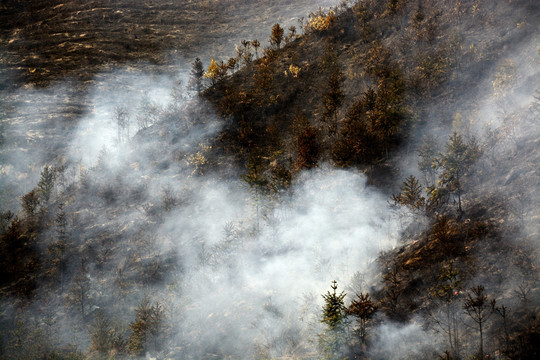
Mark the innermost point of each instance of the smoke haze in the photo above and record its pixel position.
(238, 273)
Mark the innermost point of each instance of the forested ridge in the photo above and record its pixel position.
(360, 184)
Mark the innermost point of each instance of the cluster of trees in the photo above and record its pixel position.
(145, 335)
(373, 123)
(19, 252)
(461, 311)
(248, 51)
(352, 331)
(444, 175)
(377, 119)
(38, 246)
(39, 338)
(346, 327)
(364, 134)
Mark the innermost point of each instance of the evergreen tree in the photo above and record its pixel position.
(245, 54)
(447, 290)
(307, 145)
(334, 308)
(411, 194)
(357, 143)
(426, 164)
(121, 118)
(58, 248)
(101, 335)
(479, 308)
(5, 220)
(196, 76)
(19, 259)
(292, 34)
(30, 202)
(333, 98)
(256, 45)
(393, 293)
(363, 309)
(46, 183)
(332, 340)
(79, 292)
(147, 327)
(277, 36)
(232, 64)
(454, 163)
(389, 112)
(148, 112)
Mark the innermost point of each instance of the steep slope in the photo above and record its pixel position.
(50, 40)
(212, 232)
(470, 68)
(54, 55)
(417, 57)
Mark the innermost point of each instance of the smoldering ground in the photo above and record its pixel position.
(234, 271)
(36, 121)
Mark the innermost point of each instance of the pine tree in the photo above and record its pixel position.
(357, 143)
(256, 45)
(101, 334)
(479, 308)
(292, 34)
(232, 64)
(121, 118)
(277, 36)
(333, 339)
(80, 289)
(196, 76)
(334, 308)
(146, 328)
(454, 163)
(246, 56)
(426, 164)
(363, 309)
(447, 290)
(393, 6)
(389, 113)
(393, 284)
(307, 147)
(58, 248)
(411, 194)
(333, 98)
(30, 202)
(46, 183)
(148, 112)
(5, 220)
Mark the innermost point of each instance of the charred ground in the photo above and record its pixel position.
(386, 88)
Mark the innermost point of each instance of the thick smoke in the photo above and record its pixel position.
(247, 271)
(121, 94)
(240, 273)
(248, 264)
(37, 122)
(501, 112)
(245, 289)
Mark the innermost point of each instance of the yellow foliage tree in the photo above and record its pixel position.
(216, 71)
(320, 21)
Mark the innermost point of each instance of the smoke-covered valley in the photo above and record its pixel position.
(145, 218)
(232, 268)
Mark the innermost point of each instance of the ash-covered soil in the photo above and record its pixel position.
(54, 55)
(44, 41)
